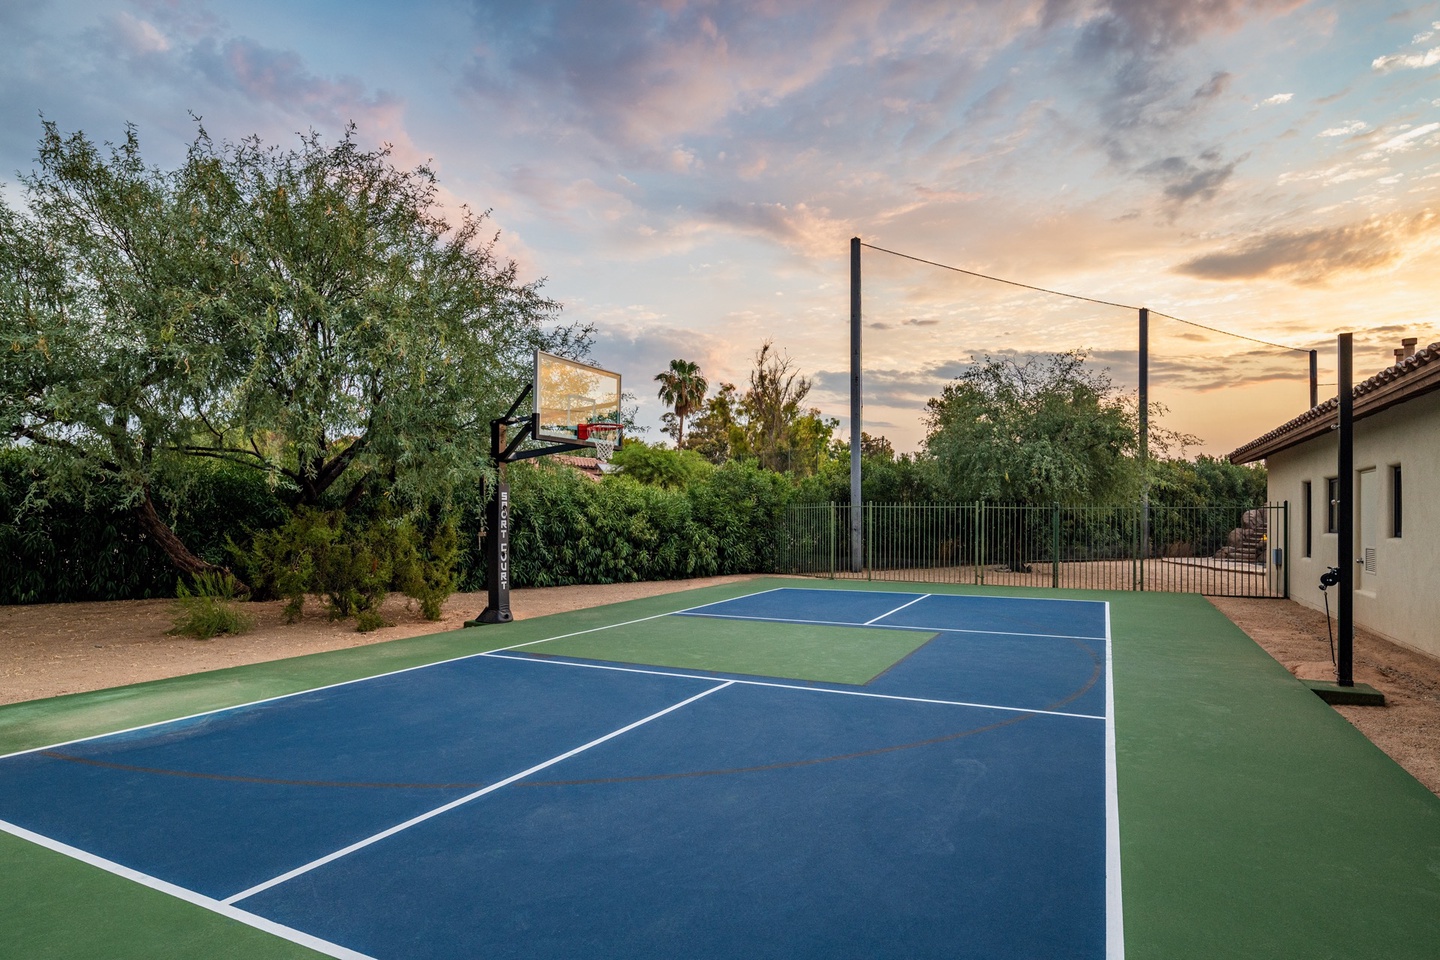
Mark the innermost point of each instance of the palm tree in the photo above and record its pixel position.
(683, 389)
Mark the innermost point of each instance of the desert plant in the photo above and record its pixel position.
(207, 608)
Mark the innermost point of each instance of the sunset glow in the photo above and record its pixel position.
(687, 175)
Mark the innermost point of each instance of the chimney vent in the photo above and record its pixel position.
(1408, 344)
(1399, 354)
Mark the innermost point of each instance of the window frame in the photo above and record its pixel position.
(1307, 494)
(1397, 508)
(1332, 504)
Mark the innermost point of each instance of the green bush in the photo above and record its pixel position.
(567, 529)
(208, 609)
(659, 467)
(353, 562)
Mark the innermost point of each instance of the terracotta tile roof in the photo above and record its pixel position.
(589, 466)
(1410, 378)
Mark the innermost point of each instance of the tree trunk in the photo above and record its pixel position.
(175, 550)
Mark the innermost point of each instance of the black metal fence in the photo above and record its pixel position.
(1218, 550)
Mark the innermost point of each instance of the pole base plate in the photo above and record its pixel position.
(1359, 695)
(490, 616)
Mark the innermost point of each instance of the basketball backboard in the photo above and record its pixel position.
(570, 395)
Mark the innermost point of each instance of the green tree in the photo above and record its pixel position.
(776, 429)
(116, 324)
(307, 313)
(715, 433)
(683, 388)
(1044, 430)
(657, 466)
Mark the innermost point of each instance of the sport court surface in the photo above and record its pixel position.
(776, 769)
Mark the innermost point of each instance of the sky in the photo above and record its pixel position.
(686, 176)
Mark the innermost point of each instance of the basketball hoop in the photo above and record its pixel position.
(606, 438)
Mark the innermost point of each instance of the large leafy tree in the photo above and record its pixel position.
(307, 312)
(682, 387)
(1047, 429)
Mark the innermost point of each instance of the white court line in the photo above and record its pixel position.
(547, 661)
(882, 626)
(911, 593)
(361, 844)
(897, 609)
(365, 679)
(1114, 902)
(189, 896)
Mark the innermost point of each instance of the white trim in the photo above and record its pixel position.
(881, 626)
(550, 661)
(390, 832)
(1114, 902)
(897, 609)
(189, 896)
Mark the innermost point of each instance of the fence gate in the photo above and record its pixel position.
(1227, 550)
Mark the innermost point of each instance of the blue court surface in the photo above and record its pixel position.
(959, 802)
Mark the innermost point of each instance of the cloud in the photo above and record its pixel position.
(799, 227)
(1218, 83)
(1275, 101)
(1411, 61)
(1404, 141)
(1127, 55)
(281, 79)
(139, 37)
(1347, 130)
(1185, 181)
(1314, 256)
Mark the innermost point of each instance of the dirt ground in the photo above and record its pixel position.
(52, 649)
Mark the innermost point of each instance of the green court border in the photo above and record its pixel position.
(1254, 820)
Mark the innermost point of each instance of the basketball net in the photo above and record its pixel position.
(605, 437)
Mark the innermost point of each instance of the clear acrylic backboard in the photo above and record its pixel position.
(570, 395)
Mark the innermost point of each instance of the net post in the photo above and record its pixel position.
(856, 405)
(1345, 516)
(1144, 440)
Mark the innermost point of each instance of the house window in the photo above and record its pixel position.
(1395, 502)
(1332, 497)
(1309, 500)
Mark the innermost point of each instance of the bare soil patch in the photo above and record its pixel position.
(52, 649)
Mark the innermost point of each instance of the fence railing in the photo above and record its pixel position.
(1218, 549)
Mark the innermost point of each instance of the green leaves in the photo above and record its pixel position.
(1046, 430)
(307, 313)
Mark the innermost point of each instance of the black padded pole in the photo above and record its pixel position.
(857, 542)
(1345, 517)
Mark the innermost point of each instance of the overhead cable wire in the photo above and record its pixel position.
(1282, 346)
(1075, 296)
(1013, 283)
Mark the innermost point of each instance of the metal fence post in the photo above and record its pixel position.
(1055, 544)
(832, 539)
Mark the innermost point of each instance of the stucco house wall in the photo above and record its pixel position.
(1396, 425)
(1397, 595)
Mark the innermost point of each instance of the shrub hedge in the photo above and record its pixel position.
(567, 529)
